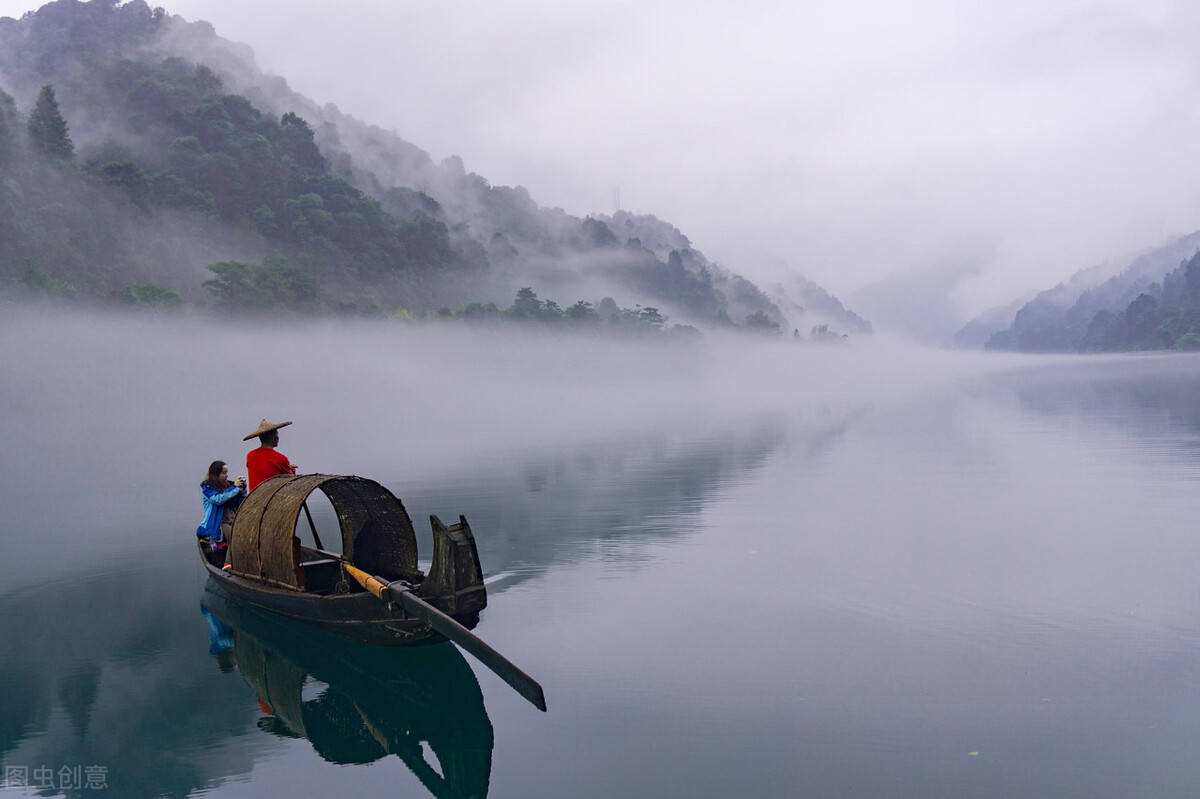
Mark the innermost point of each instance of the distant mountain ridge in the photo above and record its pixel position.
(976, 333)
(808, 304)
(1068, 317)
(507, 218)
(355, 216)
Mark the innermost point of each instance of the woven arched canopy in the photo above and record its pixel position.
(377, 535)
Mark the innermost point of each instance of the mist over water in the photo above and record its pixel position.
(738, 567)
(132, 409)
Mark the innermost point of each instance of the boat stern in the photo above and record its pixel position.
(455, 580)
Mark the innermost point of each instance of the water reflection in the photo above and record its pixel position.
(101, 671)
(1150, 395)
(356, 703)
(112, 666)
(977, 587)
(551, 508)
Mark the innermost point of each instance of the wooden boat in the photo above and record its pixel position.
(372, 591)
(271, 570)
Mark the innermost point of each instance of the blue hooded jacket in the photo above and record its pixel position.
(215, 502)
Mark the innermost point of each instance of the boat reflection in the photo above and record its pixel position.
(357, 703)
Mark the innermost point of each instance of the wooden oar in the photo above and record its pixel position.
(402, 595)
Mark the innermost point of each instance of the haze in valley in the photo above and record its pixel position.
(998, 148)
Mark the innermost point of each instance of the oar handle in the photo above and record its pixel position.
(367, 581)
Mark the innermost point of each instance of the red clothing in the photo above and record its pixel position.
(264, 463)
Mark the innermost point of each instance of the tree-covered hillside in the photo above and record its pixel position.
(143, 159)
(1149, 305)
(128, 159)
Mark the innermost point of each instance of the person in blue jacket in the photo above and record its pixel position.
(221, 498)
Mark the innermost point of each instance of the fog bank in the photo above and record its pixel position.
(112, 411)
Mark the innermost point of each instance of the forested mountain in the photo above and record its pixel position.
(976, 333)
(806, 303)
(1151, 304)
(145, 160)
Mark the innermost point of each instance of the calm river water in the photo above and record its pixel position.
(737, 570)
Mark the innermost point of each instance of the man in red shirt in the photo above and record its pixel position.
(264, 463)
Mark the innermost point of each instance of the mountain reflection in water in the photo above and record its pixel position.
(357, 703)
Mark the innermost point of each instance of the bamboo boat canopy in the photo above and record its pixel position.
(377, 534)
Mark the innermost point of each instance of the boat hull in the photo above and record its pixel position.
(358, 616)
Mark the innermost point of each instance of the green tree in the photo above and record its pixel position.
(275, 284)
(147, 295)
(128, 177)
(206, 80)
(527, 305)
(233, 286)
(596, 235)
(299, 145)
(650, 316)
(287, 283)
(36, 282)
(759, 322)
(48, 129)
(582, 312)
(477, 310)
(1189, 342)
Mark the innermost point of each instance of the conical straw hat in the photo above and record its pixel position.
(265, 427)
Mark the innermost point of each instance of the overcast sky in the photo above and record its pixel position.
(1020, 141)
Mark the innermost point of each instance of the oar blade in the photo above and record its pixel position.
(521, 682)
(525, 685)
